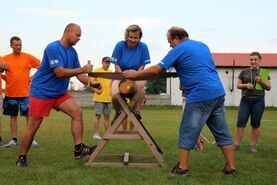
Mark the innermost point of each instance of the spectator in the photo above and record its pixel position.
(253, 82)
(17, 89)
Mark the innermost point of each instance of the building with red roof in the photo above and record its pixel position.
(229, 65)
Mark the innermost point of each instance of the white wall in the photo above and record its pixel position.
(232, 97)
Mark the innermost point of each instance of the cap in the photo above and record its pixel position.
(105, 59)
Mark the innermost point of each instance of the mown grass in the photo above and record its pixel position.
(53, 161)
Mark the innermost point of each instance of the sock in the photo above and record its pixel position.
(78, 147)
(22, 157)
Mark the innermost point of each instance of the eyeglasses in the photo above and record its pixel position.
(253, 59)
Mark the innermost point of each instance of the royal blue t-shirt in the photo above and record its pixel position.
(130, 58)
(195, 67)
(45, 84)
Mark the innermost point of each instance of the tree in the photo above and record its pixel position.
(156, 86)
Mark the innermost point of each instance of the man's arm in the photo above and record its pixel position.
(151, 71)
(61, 72)
(94, 85)
(117, 68)
(141, 68)
(241, 85)
(3, 67)
(266, 84)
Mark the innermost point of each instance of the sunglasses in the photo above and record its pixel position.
(253, 59)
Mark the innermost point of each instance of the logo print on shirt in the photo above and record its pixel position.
(52, 62)
(113, 59)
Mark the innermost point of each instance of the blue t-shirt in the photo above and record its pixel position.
(196, 70)
(45, 84)
(130, 58)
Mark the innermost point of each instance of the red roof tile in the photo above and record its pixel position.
(242, 60)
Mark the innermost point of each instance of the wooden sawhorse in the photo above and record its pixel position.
(140, 134)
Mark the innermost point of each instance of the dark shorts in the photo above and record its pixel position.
(11, 106)
(252, 107)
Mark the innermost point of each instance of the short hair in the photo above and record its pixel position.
(70, 26)
(255, 53)
(14, 38)
(177, 32)
(106, 59)
(133, 28)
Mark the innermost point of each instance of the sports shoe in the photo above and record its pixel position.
(115, 117)
(253, 148)
(84, 150)
(34, 143)
(178, 171)
(96, 136)
(11, 143)
(236, 147)
(21, 162)
(229, 172)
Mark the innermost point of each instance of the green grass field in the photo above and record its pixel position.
(53, 162)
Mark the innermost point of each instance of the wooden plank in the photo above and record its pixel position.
(122, 136)
(126, 158)
(119, 76)
(130, 165)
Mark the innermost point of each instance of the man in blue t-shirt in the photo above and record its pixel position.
(205, 96)
(49, 90)
(130, 54)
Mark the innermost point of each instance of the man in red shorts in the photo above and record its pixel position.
(49, 90)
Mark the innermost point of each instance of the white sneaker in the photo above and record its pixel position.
(96, 136)
(11, 143)
(253, 149)
(34, 143)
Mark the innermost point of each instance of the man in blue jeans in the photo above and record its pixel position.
(205, 96)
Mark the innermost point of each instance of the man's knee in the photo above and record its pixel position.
(76, 113)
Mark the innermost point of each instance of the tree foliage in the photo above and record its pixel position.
(156, 86)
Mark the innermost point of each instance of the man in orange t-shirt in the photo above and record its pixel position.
(17, 90)
(3, 67)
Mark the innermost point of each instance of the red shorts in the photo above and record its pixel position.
(42, 107)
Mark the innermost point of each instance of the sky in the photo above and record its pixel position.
(237, 26)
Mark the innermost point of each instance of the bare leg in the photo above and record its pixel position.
(132, 126)
(96, 124)
(106, 122)
(71, 108)
(141, 95)
(228, 152)
(124, 124)
(0, 123)
(13, 124)
(184, 158)
(115, 102)
(27, 120)
(28, 135)
(238, 135)
(1, 105)
(255, 136)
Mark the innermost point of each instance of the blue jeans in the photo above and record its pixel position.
(194, 118)
(253, 107)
